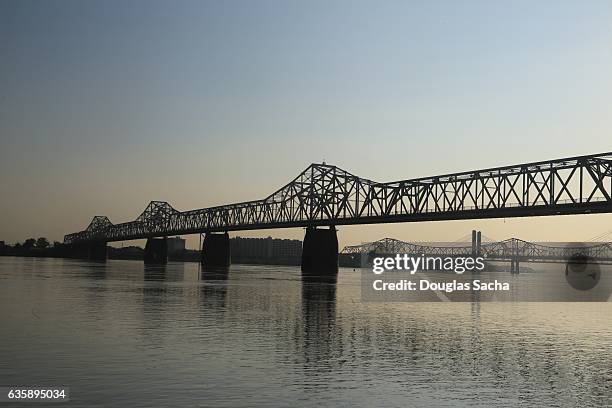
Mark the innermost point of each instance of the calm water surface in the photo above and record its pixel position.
(121, 334)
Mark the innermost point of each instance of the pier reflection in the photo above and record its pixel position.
(219, 273)
(155, 273)
(214, 289)
(318, 339)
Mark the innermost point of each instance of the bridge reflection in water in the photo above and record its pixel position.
(262, 336)
(324, 328)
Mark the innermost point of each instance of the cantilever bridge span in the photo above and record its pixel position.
(325, 195)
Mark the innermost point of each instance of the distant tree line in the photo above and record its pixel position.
(33, 247)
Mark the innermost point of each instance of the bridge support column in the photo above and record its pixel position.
(97, 251)
(320, 251)
(216, 250)
(156, 251)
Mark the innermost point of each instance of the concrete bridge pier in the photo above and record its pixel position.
(97, 251)
(320, 251)
(216, 250)
(156, 251)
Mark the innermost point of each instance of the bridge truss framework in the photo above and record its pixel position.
(325, 195)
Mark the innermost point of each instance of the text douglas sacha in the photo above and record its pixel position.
(424, 284)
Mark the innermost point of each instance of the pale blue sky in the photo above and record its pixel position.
(107, 105)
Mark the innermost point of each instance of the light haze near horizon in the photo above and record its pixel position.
(108, 105)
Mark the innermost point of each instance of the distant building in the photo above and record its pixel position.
(266, 250)
(176, 245)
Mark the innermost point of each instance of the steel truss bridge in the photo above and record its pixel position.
(325, 195)
(506, 250)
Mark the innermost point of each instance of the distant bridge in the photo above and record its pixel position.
(512, 249)
(325, 195)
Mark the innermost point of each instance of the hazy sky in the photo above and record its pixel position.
(107, 105)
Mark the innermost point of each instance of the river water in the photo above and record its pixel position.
(122, 334)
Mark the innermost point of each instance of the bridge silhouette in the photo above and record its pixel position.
(326, 195)
(513, 250)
